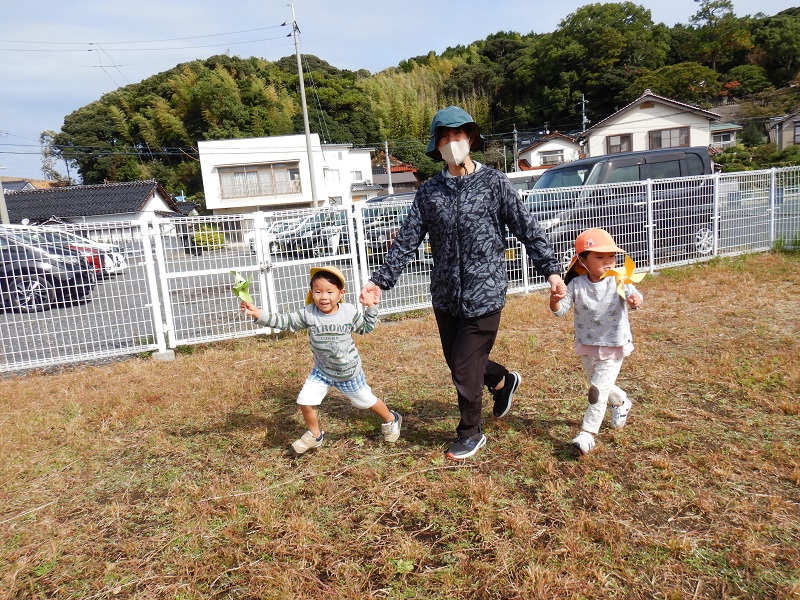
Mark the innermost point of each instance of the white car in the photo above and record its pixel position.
(111, 260)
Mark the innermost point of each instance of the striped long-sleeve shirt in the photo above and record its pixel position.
(330, 335)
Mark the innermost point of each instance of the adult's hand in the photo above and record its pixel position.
(557, 285)
(370, 294)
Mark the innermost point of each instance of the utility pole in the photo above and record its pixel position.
(296, 34)
(388, 165)
(516, 149)
(3, 209)
(584, 120)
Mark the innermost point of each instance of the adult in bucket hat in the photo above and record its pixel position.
(331, 324)
(464, 210)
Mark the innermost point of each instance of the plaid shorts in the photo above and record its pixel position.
(318, 383)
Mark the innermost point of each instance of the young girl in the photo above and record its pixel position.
(331, 324)
(602, 331)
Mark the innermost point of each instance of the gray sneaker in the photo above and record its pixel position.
(465, 447)
(391, 431)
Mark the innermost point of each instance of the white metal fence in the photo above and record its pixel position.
(172, 285)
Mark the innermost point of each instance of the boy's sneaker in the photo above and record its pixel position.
(306, 442)
(465, 447)
(619, 414)
(504, 396)
(583, 442)
(391, 431)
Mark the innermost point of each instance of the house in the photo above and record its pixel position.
(273, 173)
(552, 149)
(785, 131)
(133, 201)
(723, 135)
(15, 184)
(402, 175)
(647, 123)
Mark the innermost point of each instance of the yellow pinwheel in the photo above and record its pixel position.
(624, 275)
(241, 288)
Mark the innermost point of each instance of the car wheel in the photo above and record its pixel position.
(28, 292)
(703, 240)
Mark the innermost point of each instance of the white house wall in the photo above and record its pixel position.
(571, 152)
(340, 160)
(254, 151)
(649, 116)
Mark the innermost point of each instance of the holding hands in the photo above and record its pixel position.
(370, 295)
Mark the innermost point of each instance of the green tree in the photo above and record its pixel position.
(686, 82)
(720, 35)
(780, 40)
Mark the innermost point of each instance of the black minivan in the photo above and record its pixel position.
(682, 202)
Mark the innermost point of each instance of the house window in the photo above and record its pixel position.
(356, 176)
(724, 140)
(670, 138)
(332, 175)
(551, 157)
(249, 181)
(797, 132)
(618, 143)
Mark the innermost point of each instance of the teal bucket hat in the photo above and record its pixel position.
(452, 116)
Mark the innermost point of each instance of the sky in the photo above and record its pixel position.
(56, 57)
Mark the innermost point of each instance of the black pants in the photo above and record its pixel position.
(466, 344)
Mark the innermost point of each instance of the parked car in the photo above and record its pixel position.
(322, 234)
(36, 276)
(107, 259)
(681, 208)
(275, 230)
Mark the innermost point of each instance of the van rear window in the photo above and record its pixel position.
(564, 177)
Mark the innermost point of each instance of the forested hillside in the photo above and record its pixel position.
(605, 54)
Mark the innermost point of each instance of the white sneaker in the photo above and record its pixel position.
(619, 414)
(391, 431)
(306, 442)
(583, 442)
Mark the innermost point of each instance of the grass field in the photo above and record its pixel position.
(146, 479)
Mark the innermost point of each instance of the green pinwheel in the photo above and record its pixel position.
(241, 288)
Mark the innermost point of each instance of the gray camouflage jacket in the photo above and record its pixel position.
(465, 219)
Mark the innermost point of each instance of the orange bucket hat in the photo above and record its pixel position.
(327, 269)
(593, 240)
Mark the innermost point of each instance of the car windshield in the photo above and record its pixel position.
(569, 176)
(32, 238)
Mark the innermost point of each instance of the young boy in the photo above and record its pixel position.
(330, 324)
(602, 331)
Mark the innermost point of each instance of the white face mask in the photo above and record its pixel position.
(455, 153)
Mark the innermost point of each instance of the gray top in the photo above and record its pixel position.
(330, 336)
(601, 315)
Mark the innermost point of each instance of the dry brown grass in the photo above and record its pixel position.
(143, 479)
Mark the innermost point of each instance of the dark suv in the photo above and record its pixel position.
(34, 277)
(682, 202)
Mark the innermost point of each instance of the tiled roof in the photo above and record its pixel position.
(15, 185)
(365, 187)
(84, 200)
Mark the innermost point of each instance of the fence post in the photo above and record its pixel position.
(715, 213)
(361, 245)
(151, 235)
(650, 226)
(772, 207)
